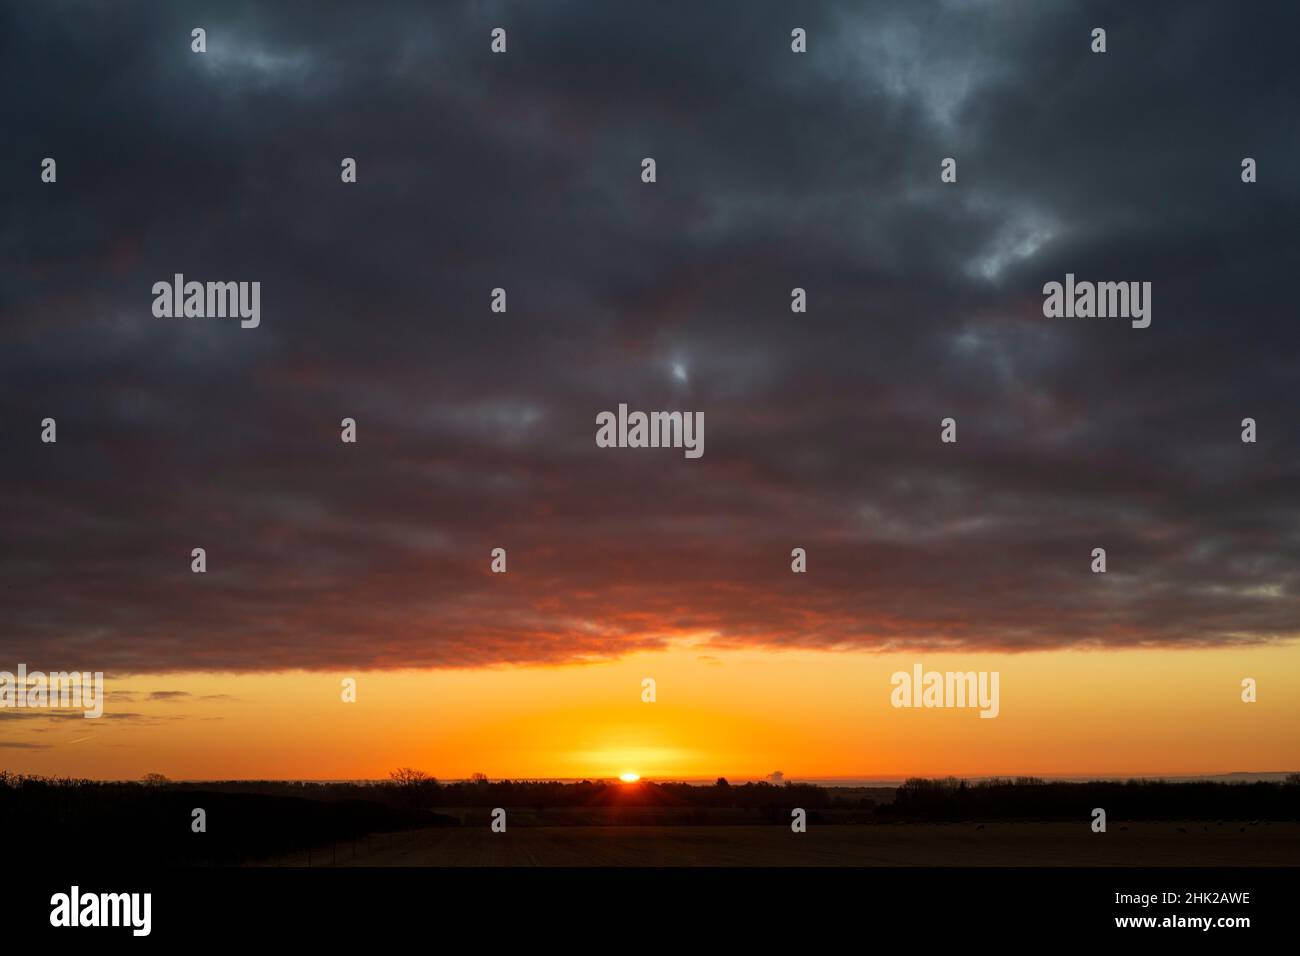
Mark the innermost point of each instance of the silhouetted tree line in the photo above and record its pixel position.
(149, 822)
(1028, 798)
(423, 790)
(596, 802)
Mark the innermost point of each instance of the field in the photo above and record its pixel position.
(993, 844)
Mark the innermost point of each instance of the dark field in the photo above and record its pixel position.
(909, 844)
(416, 821)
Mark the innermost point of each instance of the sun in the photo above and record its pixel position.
(629, 777)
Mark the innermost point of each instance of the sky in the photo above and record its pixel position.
(475, 430)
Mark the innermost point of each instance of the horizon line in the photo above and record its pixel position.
(824, 781)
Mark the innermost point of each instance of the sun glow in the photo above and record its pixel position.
(629, 777)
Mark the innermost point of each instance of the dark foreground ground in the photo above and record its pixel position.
(413, 820)
(940, 844)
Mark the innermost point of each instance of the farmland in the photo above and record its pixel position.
(907, 844)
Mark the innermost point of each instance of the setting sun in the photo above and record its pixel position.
(629, 777)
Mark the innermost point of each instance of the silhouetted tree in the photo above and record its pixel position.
(408, 777)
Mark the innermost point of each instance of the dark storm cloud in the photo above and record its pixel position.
(477, 430)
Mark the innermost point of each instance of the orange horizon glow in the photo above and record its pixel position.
(742, 714)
